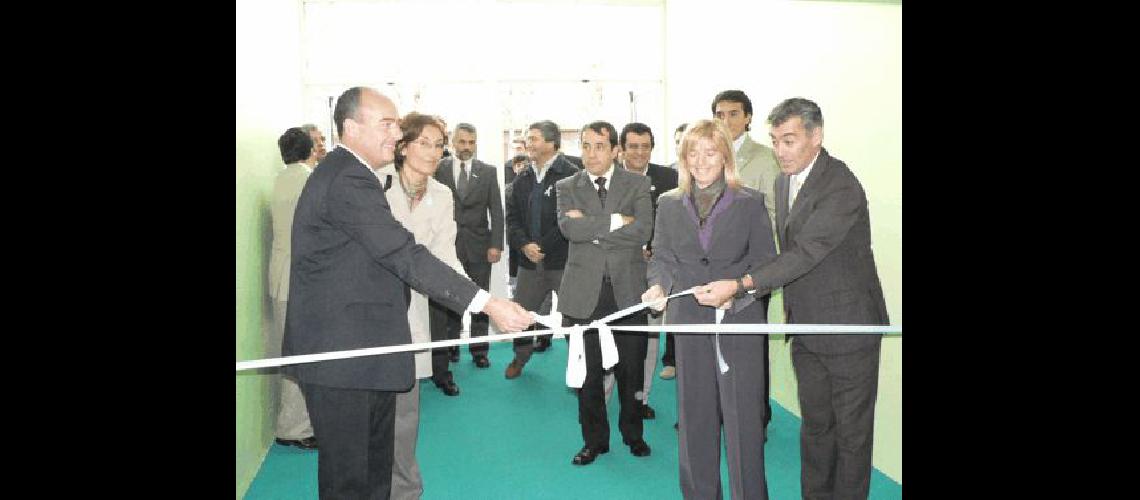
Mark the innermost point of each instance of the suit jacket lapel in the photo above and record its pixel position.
(614, 188)
(745, 156)
(782, 206)
(806, 191)
(590, 191)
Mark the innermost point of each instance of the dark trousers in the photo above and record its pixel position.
(439, 327)
(670, 357)
(629, 375)
(837, 400)
(480, 273)
(355, 429)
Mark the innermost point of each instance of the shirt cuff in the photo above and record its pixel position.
(477, 304)
(616, 222)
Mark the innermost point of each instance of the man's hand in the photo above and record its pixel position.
(533, 252)
(508, 315)
(656, 295)
(647, 253)
(574, 213)
(493, 255)
(627, 219)
(715, 294)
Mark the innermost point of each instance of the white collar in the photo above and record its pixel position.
(738, 143)
(803, 175)
(608, 174)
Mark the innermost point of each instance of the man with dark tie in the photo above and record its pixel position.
(478, 242)
(607, 214)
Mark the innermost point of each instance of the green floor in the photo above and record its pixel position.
(513, 439)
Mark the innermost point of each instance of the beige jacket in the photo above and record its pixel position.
(433, 225)
(286, 190)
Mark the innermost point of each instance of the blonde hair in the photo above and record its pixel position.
(716, 132)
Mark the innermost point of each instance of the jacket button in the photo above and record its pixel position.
(705, 260)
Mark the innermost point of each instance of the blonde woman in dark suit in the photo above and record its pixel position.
(713, 229)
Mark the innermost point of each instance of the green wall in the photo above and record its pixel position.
(847, 57)
(268, 98)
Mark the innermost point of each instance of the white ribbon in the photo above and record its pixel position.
(576, 362)
(719, 357)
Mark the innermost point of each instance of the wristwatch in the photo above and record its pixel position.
(740, 290)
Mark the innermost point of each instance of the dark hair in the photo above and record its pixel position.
(599, 127)
(808, 112)
(468, 127)
(346, 106)
(734, 96)
(412, 125)
(550, 132)
(681, 128)
(295, 145)
(637, 128)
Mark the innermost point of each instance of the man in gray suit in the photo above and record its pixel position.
(293, 427)
(351, 266)
(478, 242)
(828, 273)
(607, 215)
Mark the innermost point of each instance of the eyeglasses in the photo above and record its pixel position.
(424, 143)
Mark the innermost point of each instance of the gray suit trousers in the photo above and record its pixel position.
(837, 400)
(534, 285)
(705, 398)
(407, 484)
(292, 417)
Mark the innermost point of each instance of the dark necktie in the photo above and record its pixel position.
(601, 182)
(461, 185)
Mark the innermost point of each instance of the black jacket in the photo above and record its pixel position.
(553, 243)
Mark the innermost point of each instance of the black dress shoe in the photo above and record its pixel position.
(639, 448)
(309, 443)
(453, 355)
(541, 345)
(448, 387)
(587, 455)
(482, 361)
(646, 412)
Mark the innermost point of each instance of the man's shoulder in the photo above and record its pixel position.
(569, 179)
(563, 166)
(664, 173)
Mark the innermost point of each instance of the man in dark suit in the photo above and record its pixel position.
(478, 242)
(532, 228)
(351, 265)
(607, 214)
(637, 145)
(828, 273)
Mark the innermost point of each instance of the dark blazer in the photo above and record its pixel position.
(351, 264)
(825, 264)
(553, 244)
(663, 179)
(739, 242)
(473, 238)
(616, 253)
